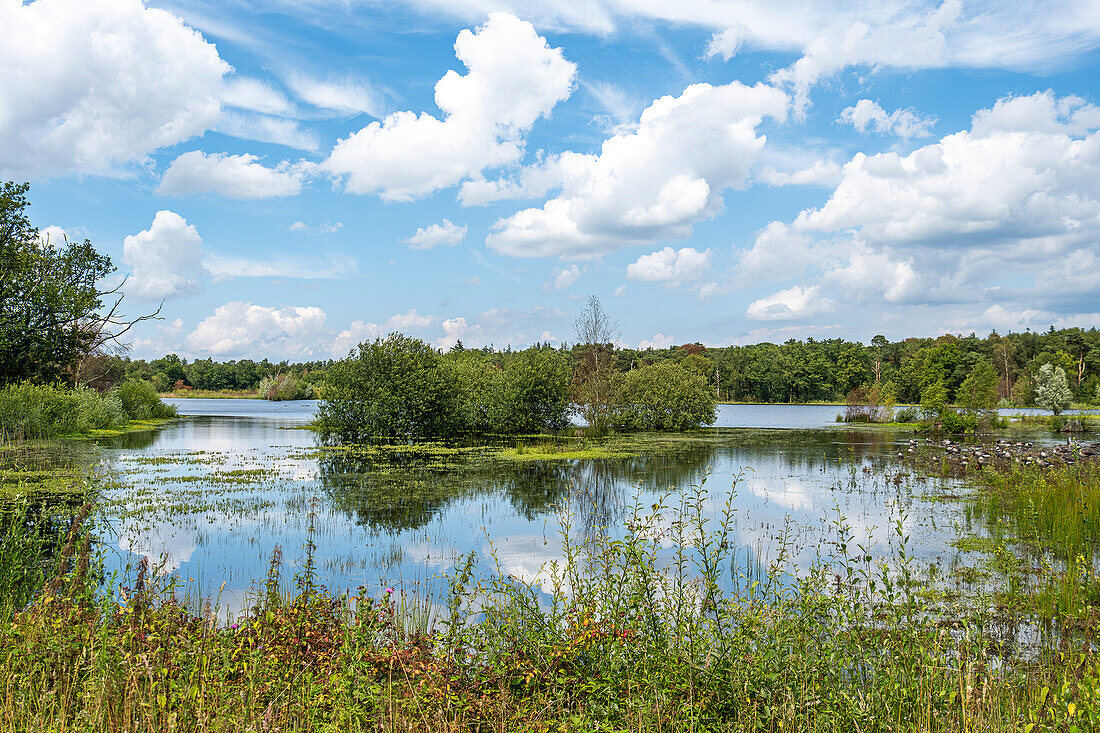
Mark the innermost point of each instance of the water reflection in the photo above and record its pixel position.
(212, 496)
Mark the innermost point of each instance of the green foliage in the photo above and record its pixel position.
(285, 387)
(978, 392)
(663, 396)
(48, 296)
(31, 411)
(141, 402)
(1052, 390)
(396, 387)
(401, 387)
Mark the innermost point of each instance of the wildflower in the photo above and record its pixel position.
(389, 590)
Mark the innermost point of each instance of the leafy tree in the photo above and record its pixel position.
(394, 387)
(48, 296)
(1052, 390)
(663, 396)
(978, 392)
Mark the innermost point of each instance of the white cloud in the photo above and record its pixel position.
(267, 129)
(54, 236)
(513, 78)
(832, 35)
(867, 273)
(91, 87)
(447, 234)
(454, 330)
(256, 96)
(905, 123)
(239, 329)
(233, 176)
(303, 268)
(659, 341)
(348, 95)
(360, 331)
(325, 227)
(777, 253)
(995, 185)
(818, 173)
(165, 260)
(562, 278)
(652, 183)
(789, 304)
(670, 266)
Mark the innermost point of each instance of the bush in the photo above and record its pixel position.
(393, 387)
(865, 404)
(662, 396)
(141, 402)
(285, 387)
(34, 412)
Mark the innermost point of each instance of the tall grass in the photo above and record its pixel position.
(33, 411)
(654, 630)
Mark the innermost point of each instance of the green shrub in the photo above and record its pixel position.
(33, 411)
(662, 396)
(141, 402)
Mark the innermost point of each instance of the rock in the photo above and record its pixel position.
(1073, 426)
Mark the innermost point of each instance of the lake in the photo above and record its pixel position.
(211, 496)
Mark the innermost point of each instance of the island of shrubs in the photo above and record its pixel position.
(400, 387)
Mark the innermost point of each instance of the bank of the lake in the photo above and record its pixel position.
(232, 493)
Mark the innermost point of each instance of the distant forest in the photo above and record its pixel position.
(794, 371)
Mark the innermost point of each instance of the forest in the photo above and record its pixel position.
(794, 371)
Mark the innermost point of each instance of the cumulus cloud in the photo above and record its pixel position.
(112, 82)
(360, 331)
(1017, 196)
(659, 341)
(905, 123)
(777, 253)
(789, 304)
(456, 329)
(562, 278)
(447, 234)
(233, 176)
(165, 260)
(513, 78)
(652, 183)
(670, 266)
(239, 329)
(995, 185)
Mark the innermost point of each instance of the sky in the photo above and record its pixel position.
(290, 179)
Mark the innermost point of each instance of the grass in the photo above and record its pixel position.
(36, 412)
(652, 630)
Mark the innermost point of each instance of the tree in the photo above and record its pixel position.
(1052, 390)
(50, 301)
(394, 387)
(663, 396)
(595, 363)
(978, 392)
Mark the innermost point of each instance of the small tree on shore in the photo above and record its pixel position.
(1052, 390)
(595, 364)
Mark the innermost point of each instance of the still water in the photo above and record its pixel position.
(211, 496)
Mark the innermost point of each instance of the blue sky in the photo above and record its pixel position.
(293, 178)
